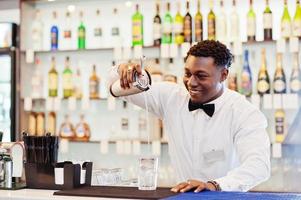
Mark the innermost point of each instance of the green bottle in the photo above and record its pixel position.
(297, 21)
(167, 27)
(137, 27)
(198, 24)
(211, 23)
(251, 23)
(67, 79)
(178, 26)
(81, 33)
(285, 22)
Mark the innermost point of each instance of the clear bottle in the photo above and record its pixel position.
(263, 82)
(221, 28)
(251, 23)
(297, 20)
(211, 22)
(295, 80)
(246, 76)
(53, 80)
(67, 129)
(280, 125)
(286, 22)
(68, 31)
(115, 30)
(234, 30)
(81, 40)
(267, 22)
(37, 81)
(178, 26)
(54, 32)
(137, 25)
(279, 77)
(157, 32)
(37, 32)
(78, 85)
(98, 29)
(198, 24)
(94, 84)
(67, 79)
(187, 25)
(82, 130)
(167, 27)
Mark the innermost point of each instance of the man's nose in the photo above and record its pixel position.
(192, 81)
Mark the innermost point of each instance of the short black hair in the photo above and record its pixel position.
(211, 48)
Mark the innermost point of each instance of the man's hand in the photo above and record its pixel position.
(126, 72)
(195, 185)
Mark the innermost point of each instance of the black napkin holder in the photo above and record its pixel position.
(41, 176)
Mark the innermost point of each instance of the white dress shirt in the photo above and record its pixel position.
(231, 147)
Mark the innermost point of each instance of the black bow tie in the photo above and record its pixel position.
(208, 108)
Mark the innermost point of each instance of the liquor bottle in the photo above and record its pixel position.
(54, 32)
(267, 23)
(81, 40)
(221, 24)
(82, 130)
(78, 85)
(211, 22)
(51, 123)
(68, 32)
(37, 81)
(52, 80)
(67, 79)
(37, 32)
(178, 26)
(94, 84)
(279, 77)
(295, 80)
(98, 29)
(198, 24)
(40, 124)
(263, 82)
(125, 124)
(251, 23)
(137, 31)
(115, 30)
(286, 22)
(297, 20)
(157, 27)
(67, 129)
(167, 27)
(232, 77)
(234, 30)
(246, 76)
(187, 25)
(280, 125)
(32, 123)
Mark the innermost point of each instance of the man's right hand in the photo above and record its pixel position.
(126, 73)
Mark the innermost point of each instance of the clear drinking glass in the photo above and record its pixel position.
(148, 173)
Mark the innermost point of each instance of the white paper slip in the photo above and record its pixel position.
(276, 150)
(29, 57)
(255, 100)
(111, 103)
(57, 103)
(64, 146)
(117, 53)
(104, 146)
(156, 147)
(27, 104)
(50, 104)
(138, 51)
(72, 103)
(184, 49)
(277, 101)
(280, 45)
(119, 147)
(136, 147)
(294, 44)
(267, 101)
(127, 53)
(85, 103)
(173, 50)
(237, 47)
(164, 51)
(127, 147)
(290, 101)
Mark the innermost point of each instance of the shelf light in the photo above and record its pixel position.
(71, 8)
(128, 4)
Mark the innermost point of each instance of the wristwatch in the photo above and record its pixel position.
(216, 185)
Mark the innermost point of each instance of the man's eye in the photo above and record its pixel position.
(187, 74)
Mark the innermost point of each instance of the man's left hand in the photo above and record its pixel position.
(198, 186)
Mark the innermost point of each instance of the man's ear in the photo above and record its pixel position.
(224, 74)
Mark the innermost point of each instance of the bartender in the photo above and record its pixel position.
(217, 138)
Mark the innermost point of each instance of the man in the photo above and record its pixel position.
(217, 139)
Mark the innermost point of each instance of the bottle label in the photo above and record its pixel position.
(137, 30)
(295, 85)
(187, 27)
(178, 28)
(67, 81)
(263, 86)
(251, 26)
(156, 31)
(232, 82)
(54, 38)
(297, 28)
(93, 87)
(67, 34)
(98, 32)
(279, 125)
(115, 31)
(124, 124)
(167, 28)
(211, 29)
(198, 31)
(285, 29)
(80, 131)
(81, 33)
(52, 83)
(246, 83)
(279, 86)
(267, 21)
(66, 131)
